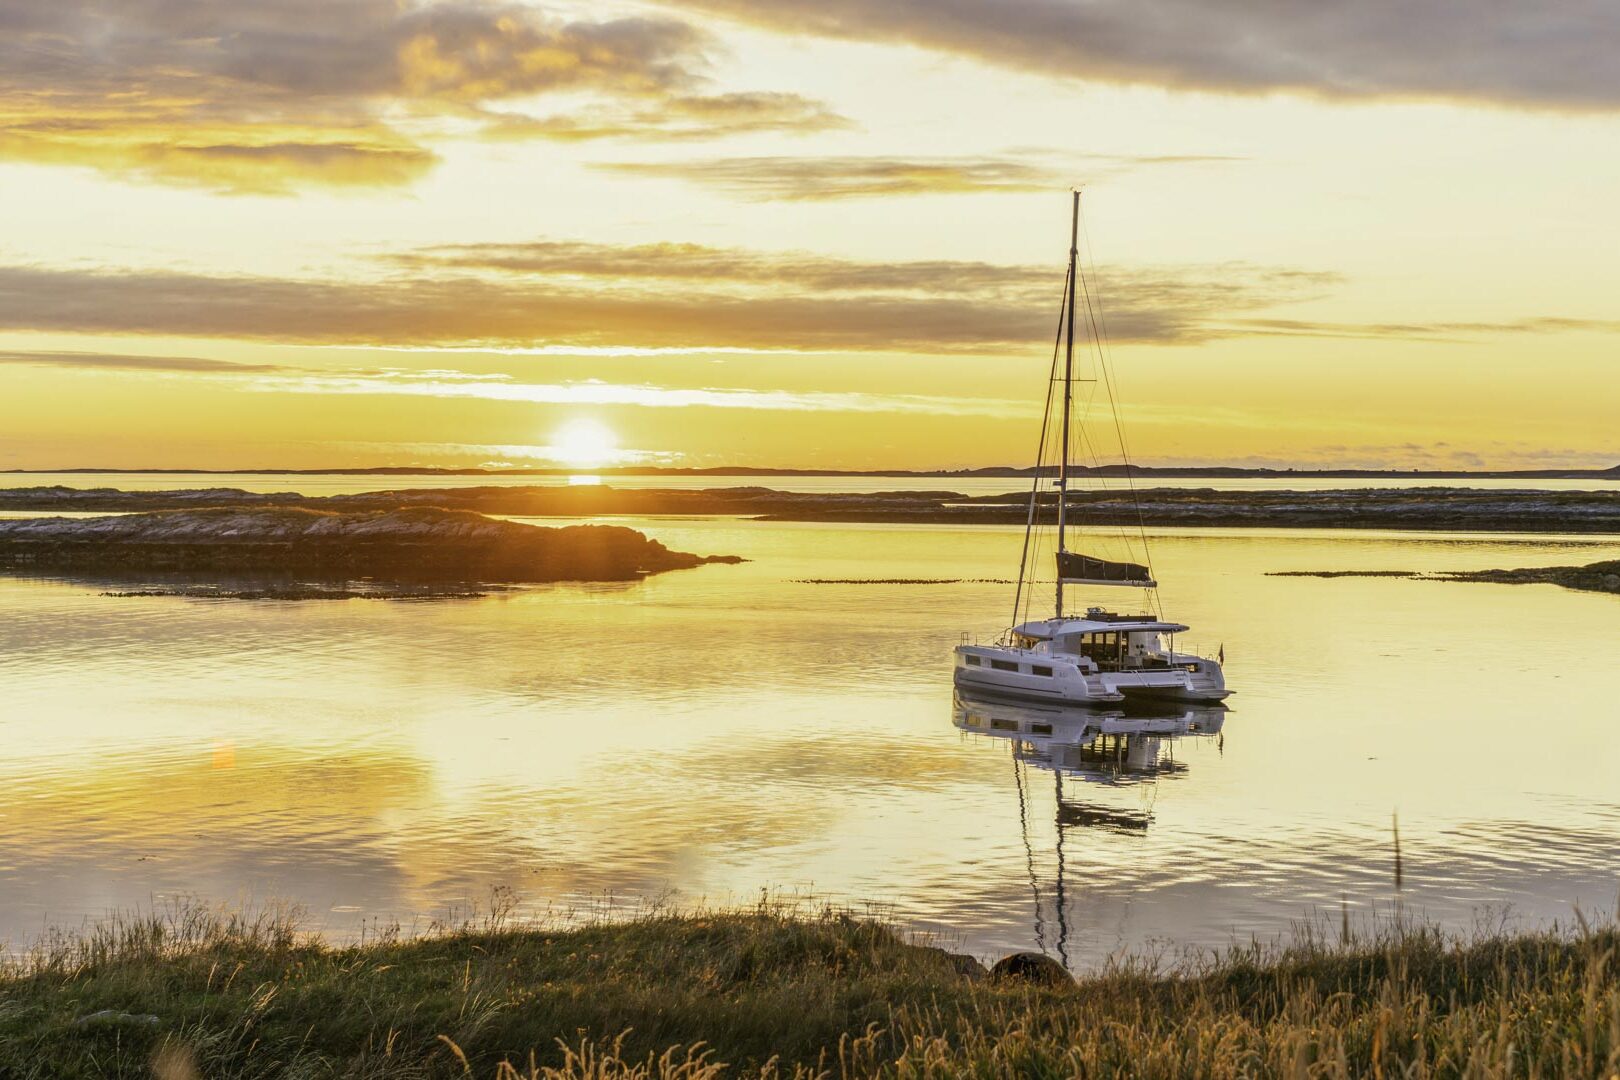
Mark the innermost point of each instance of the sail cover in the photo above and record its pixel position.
(1077, 569)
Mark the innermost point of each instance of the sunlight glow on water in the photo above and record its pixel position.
(713, 732)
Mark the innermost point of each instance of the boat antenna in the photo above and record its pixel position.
(1068, 396)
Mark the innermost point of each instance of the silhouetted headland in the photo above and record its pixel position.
(405, 544)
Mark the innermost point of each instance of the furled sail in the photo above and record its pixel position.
(1077, 569)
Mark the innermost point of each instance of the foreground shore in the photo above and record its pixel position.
(762, 993)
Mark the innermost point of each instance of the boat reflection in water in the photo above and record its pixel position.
(1094, 755)
(1110, 748)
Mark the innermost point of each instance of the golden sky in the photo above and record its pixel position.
(305, 233)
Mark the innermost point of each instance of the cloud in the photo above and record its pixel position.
(572, 295)
(130, 362)
(450, 383)
(730, 267)
(264, 96)
(1429, 331)
(508, 455)
(701, 116)
(825, 178)
(564, 297)
(1495, 455)
(1553, 54)
(594, 392)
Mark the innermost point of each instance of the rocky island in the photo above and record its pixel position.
(1601, 577)
(408, 546)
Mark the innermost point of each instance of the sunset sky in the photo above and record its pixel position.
(305, 233)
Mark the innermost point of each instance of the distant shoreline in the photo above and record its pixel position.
(1449, 509)
(992, 472)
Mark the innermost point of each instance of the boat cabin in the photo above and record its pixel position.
(1111, 642)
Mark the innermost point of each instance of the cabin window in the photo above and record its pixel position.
(973, 661)
(1103, 645)
(1004, 665)
(1003, 725)
(1040, 729)
(1037, 669)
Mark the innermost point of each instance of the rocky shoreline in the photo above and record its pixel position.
(1437, 509)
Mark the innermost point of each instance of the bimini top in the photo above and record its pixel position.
(1097, 623)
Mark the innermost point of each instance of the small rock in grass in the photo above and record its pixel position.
(114, 1018)
(1032, 968)
(962, 964)
(967, 967)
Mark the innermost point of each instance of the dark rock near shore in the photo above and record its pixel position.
(1032, 968)
(1597, 577)
(964, 965)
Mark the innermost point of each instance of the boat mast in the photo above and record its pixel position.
(1068, 390)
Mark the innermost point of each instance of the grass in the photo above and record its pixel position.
(769, 992)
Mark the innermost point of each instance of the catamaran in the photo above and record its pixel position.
(1101, 657)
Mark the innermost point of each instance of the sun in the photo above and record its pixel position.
(585, 444)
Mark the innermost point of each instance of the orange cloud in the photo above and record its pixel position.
(822, 178)
(264, 96)
(688, 297)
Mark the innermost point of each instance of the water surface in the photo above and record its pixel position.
(707, 734)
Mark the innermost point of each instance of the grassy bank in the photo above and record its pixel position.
(762, 992)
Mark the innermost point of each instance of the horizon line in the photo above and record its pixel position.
(752, 470)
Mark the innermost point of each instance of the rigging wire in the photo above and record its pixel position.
(1040, 455)
(1097, 323)
(1119, 529)
(1038, 543)
(1100, 333)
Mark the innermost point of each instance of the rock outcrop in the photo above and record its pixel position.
(423, 544)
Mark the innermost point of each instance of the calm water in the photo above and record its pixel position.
(710, 733)
(349, 484)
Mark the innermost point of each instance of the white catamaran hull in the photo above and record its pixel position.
(1035, 675)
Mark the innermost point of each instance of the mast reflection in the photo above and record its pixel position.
(1093, 751)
